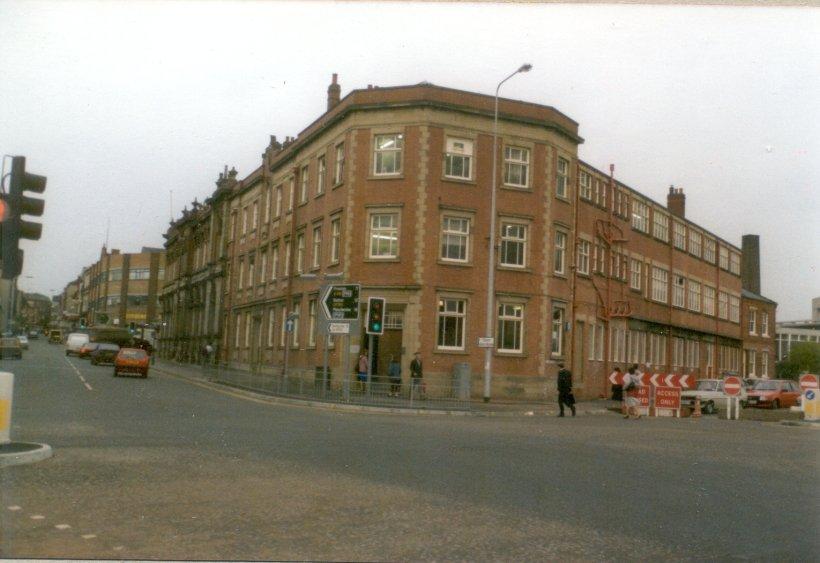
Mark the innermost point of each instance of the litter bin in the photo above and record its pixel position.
(461, 381)
(319, 374)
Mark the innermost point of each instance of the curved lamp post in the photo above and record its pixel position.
(488, 329)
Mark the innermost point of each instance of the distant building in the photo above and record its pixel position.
(790, 333)
(34, 310)
(119, 289)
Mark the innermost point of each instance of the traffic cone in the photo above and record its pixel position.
(696, 413)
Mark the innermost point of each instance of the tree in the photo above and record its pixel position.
(803, 357)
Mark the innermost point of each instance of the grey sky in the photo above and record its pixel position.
(119, 103)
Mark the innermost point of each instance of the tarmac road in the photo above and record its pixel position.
(165, 468)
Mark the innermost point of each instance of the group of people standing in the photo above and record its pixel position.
(394, 374)
(628, 392)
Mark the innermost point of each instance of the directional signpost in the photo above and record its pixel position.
(339, 304)
(731, 387)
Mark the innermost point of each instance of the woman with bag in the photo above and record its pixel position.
(632, 381)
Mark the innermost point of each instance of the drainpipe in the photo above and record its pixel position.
(608, 274)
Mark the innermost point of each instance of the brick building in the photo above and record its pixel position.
(192, 292)
(390, 188)
(118, 289)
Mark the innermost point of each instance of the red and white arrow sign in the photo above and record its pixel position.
(616, 378)
(668, 380)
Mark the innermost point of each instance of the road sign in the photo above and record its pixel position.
(811, 404)
(289, 325)
(808, 381)
(341, 302)
(667, 398)
(668, 380)
(732, 385)
(338, 328)
(486, 342)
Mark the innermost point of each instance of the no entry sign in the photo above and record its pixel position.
(732, 385)
(808, 381)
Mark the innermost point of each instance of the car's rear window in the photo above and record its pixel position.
(8, 342)
(133, 354)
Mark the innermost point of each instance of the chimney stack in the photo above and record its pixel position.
(676, 202)
(334, 93)
(750, 263)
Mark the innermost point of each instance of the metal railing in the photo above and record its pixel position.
(409, 394)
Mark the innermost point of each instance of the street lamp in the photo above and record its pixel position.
(488, 332)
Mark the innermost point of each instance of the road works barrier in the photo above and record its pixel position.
(6, 394)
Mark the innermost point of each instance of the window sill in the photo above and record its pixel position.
(320, 194)
(399, 176)
(522, 269)
(563, 198)
(509, 354)
(337, 185)
(442, 262)
(515, 188)
(447, 351)
(463, 181)
(559, 275)
(382, 260)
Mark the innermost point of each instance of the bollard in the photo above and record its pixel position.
(6, 394)
(696, 412)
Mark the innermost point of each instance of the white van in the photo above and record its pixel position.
(74, 342)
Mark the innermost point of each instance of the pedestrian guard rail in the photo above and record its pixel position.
(377, 392)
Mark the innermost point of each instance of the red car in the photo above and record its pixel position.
(131, 361)
(774, 393)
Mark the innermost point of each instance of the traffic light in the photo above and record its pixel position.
(375, 315)
(13, 205)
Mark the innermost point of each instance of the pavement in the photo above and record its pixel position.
(477, 407)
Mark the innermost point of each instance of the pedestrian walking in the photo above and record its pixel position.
(617, 390)
(632, 383)
(361, 370)
(417, 375)
(394, 373)
(565, 396)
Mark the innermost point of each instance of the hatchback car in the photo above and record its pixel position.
(10, 348)
(104, 354)
(131, 361)
(774, 393)
(23, 341)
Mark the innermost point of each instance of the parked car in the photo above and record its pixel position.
(74, 342)
(33, 334)
(105, 353)
(711, 395)
(10, 348)
(23, 341)
(87, 349)
(774, 393)
(131, 361)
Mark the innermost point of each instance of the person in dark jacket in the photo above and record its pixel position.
(394, 373)
(565, 396)
(416, 375)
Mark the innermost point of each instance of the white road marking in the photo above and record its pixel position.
(77, 371)
(62, 526)
(14, 507)
(37, 517)
(89, 536)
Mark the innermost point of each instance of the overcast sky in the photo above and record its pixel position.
(120, 103)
